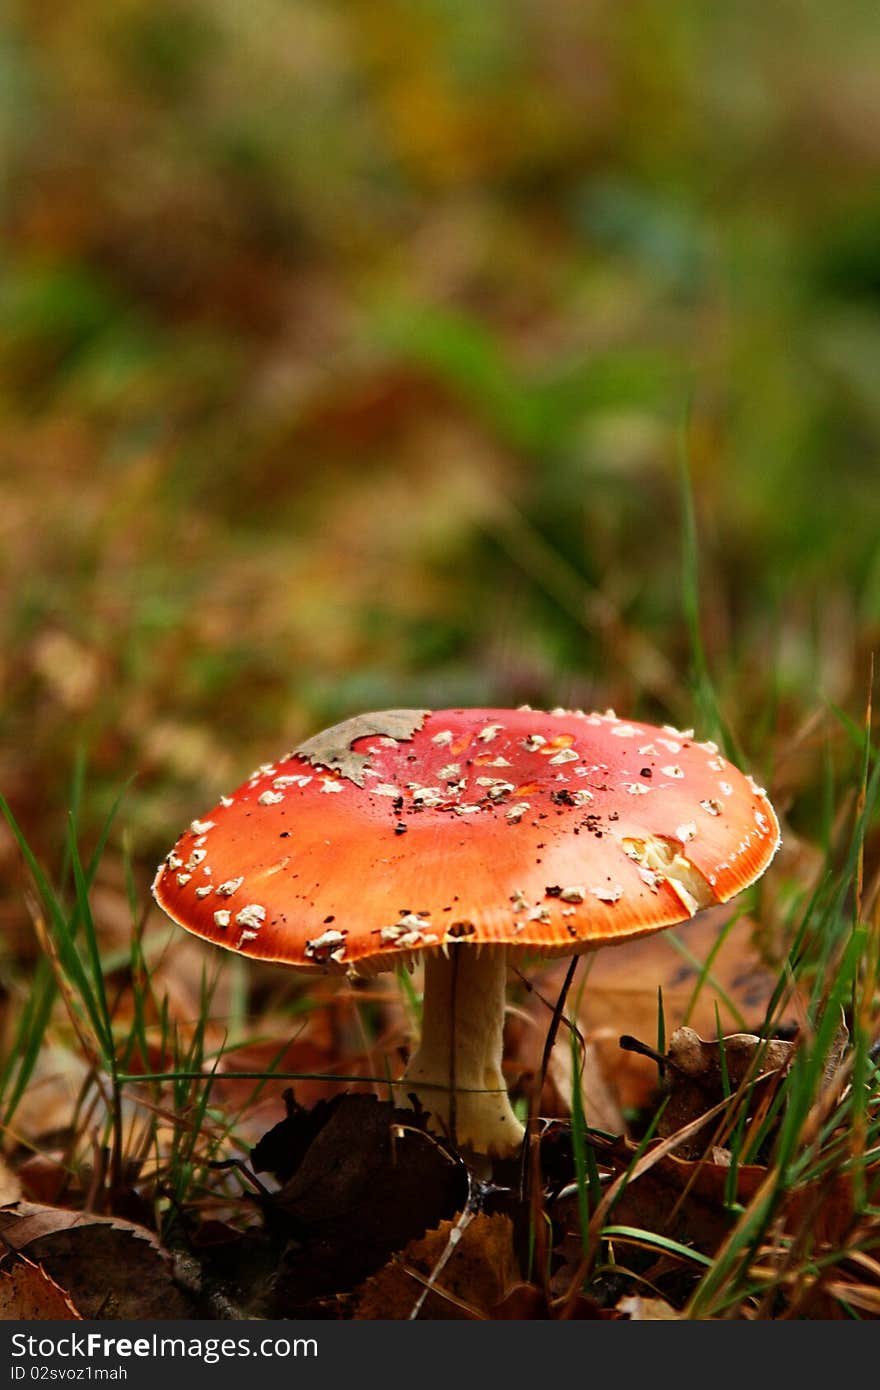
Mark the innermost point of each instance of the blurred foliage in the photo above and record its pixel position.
(349, 349)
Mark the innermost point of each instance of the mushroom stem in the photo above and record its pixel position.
(456, 1072)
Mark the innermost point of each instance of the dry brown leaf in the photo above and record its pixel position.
(361, 1180)
(49, 1103)
(701, 1073)
(476, 1277)
(621, 994)
(28, 1292)
(113, 1268)
(24, 1222)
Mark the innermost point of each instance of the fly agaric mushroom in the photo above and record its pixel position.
(467, 836)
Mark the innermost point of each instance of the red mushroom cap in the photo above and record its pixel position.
(405, 830)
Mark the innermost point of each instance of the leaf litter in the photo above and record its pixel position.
(347, 1206)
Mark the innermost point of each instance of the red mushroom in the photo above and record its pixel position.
(467, 835)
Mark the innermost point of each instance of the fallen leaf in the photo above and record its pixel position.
(620, 994)
(112, 1268)
(334, 748)
(478, 1271)
(365, 1181)
(27, 1292)
(681, 1199)
(49, 1103)
(700, 1073)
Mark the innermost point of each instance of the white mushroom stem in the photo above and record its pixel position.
(456, 1072)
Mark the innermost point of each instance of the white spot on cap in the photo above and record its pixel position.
(253, 915)
(672, 770)
(500, 790)
(711, 806)
(413, 921)
(329, 784)
(575, 894)
(686, 832)
(197, 857)
(330, 943)
(427, 796)
(385, 789)
(232, 885)
(222, 918)
(183, 879)
(491, 731)
(445, 736)
(532, 742)
(264, 770)
(410, 930)
(449, 771)
(565, 755)
(636, 788)
(759, 791)
(670, 745)
(226, 801)
(270, 798)
(515, 813)
(201, 827)
(624, 731)
(608, 894)
(726, 788)
(204, 891)
(499, 762)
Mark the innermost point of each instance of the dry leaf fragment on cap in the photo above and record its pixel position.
(363, 849)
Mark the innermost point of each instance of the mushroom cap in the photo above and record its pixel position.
(409, 830)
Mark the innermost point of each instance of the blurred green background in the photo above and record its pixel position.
(350, 349)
